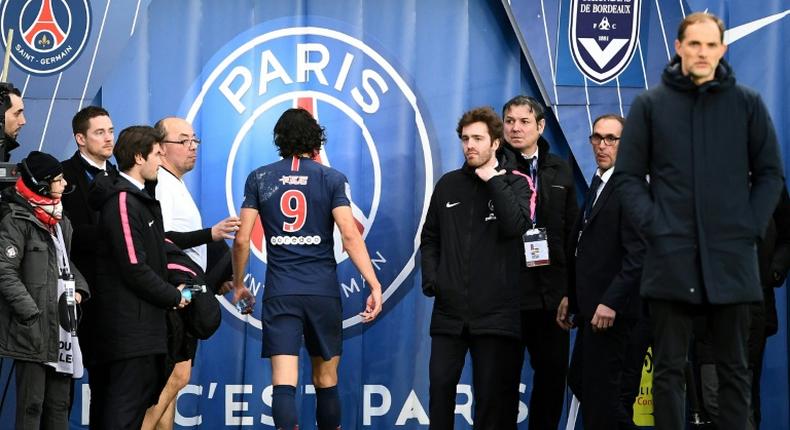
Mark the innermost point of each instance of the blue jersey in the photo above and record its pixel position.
(294, 198)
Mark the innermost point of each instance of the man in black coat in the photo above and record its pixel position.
(94, 135)
(471, 242)
(542, 285)
(715, 171)
(132, 295)
(603, 289)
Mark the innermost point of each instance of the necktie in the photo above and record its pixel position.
(532, 169)
(591, 193)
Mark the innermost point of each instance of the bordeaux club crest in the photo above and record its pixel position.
(603, 36)
(376, 136)
(48, 34)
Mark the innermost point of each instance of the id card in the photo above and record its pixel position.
(536, 247)
(70, 290)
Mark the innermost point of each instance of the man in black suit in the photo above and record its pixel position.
(94, 134)
(542, 283)
(603, 289)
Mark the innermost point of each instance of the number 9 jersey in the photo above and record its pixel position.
(294, 198)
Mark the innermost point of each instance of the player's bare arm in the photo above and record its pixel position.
(241, 253)
(355, 247)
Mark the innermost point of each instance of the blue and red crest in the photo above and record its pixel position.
(603, 36)
(48, 34)
(376, 136)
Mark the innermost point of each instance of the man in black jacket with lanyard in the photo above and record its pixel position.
(131, 292)
(471, 242)
(542, 282)
(715, 177)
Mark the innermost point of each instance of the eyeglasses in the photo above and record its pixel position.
(608, 140)
(185, 142)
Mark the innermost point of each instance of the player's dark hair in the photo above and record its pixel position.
(297, 133)
(137, 139)
(82, 119)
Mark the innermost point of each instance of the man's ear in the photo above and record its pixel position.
(495, 144)
(541, 125)
(139, 160)
(81, 141)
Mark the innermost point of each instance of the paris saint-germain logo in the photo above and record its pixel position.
(603, 36)
(376, 136)
(48, 34)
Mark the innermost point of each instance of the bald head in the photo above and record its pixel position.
(179, 147)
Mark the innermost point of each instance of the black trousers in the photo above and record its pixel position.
(672, 328)
(490, 379)
(757, 339)
(121, 391)
(548, 346)
(42, 397)
(595, 375)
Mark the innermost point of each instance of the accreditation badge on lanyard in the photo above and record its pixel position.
(536, 244)
(536, 247)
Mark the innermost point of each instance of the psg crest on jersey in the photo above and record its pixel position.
(375, 132)
(603, 36)
(48, 34)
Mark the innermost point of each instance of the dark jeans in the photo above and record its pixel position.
(672, 328)
(42, 397)
(490, 379)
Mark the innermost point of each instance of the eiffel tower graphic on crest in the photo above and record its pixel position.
(45, 33)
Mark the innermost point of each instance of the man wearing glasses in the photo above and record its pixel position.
(184, 226)
(603, 289)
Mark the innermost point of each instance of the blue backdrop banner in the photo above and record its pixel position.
(388, 80)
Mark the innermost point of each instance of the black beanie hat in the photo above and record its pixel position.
(39, 167)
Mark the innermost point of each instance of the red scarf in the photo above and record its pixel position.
(47, 210)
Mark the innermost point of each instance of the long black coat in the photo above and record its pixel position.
(715, 176)
(84, 219)
(471, 242)
(87, 235)
(606, 260)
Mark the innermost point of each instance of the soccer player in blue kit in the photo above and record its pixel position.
(299, 201)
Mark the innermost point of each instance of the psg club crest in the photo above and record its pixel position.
(603, 36)
(48, 34)
(376, 136)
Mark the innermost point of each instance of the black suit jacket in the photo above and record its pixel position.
(607, 265)
(87, 233)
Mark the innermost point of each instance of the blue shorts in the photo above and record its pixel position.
(286, 319)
